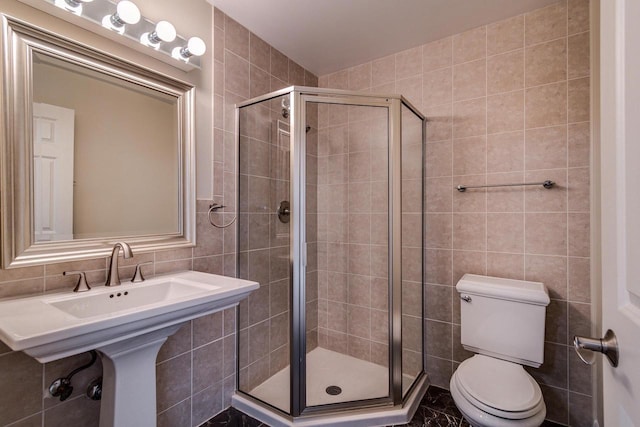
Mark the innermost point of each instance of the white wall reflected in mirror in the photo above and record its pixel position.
(118, 147)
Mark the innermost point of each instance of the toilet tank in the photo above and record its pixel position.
(503, 318)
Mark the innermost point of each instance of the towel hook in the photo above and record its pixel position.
(214, 208)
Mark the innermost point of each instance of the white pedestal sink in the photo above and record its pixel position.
(127, 325)
(129, 380)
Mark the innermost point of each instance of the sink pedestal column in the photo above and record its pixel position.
(129, 379)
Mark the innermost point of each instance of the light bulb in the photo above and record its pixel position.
(195, 47)
(126, 13)
(164, 32)
(73, 6)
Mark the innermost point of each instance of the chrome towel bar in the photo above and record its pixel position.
(546, 184)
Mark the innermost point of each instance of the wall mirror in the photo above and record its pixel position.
(94, 150)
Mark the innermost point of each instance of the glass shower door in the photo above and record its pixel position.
(412, 161)
(347, 237)
(264, 250)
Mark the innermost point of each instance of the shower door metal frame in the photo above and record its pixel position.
(299, 96)
(298, 178)
(253, 101)
(423, 177)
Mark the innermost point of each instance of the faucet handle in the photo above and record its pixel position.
(137, 276)
(82, 285)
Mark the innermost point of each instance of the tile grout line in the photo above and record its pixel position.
(486, 132)
(524, 143)
(567, 71)
(451, 215)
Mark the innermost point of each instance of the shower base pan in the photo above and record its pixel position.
(357, 380)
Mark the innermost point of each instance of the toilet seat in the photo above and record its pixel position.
(497, 387)
(478, 418)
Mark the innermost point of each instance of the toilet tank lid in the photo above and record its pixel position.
(508, 289)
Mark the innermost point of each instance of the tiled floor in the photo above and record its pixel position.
(231, 417)
(436, 410)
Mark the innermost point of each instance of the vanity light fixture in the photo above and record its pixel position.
(126, 13)
(164, 32)
(74, 6)
(195, 47)
(122, 22)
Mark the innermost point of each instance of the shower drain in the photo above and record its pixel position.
(333, 390)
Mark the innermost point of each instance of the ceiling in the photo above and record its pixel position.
(330, 35)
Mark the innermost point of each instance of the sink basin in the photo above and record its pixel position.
(53, 326)
(116, 303)
(126, 324)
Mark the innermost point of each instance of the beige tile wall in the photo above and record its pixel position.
(506, 102)
(247, 67)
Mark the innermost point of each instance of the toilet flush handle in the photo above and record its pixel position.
(465, 298)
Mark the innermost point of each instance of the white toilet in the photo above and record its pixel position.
(503, 321)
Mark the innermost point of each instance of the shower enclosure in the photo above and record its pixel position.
(331, 224)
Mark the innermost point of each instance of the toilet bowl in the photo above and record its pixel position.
(502, 320)
(496, 393)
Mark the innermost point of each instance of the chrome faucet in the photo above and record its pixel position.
(113, 279)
